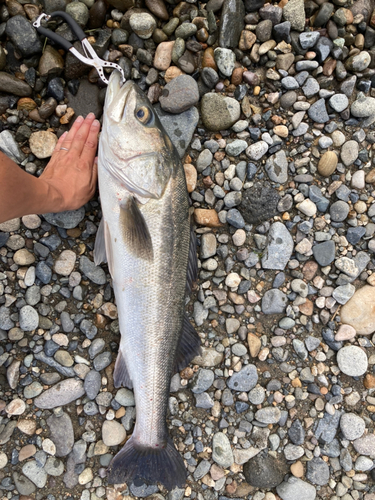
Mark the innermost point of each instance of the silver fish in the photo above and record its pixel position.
(146, 239)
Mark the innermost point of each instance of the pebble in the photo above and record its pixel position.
(219, 112)
(113, 433)
(245, 380)
(42, 144)
(296, 488)
(279, 247)
(64, 392)
(352, 361)
(359, 312)
(65, 263)
(349, 152)
(352, 426)
(221, 450)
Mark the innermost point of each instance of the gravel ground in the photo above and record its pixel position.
(271, 108)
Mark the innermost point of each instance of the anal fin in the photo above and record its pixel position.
(189, 346)
(121, 375)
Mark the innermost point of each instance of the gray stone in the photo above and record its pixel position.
(29, 318)
(244, 380)
(221, 450)
(225, 60)
(308, 39)
(362, 107)
(180, 128)
(64, 392)
(268, 415)
(93, 272)
(24, 486)
(35, 473)
(294, 12)
(349, 152)
(352, 426)
(317, 471)
(231, 23)
(279, 247)
(311, 87)
(265, 470)
(202, 381)
(296, 489)
(236, 147)
(179, 95)
(9, 146)
(324, 253)
(5, 321)
(365, 445)
(125, 397)
(274, 302)
(352, 361)
(203, 400)
(23, 36)
(318, 112)
(92, 384)
(277, 167)
(339, 102)
(219, 112)
(67, 220)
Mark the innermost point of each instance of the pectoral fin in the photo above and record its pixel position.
(192, 271)
(135, 232)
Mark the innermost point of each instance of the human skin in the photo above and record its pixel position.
(67, 183)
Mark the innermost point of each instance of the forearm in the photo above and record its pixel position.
(21, 193)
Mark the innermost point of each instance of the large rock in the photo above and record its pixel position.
(363, 107)
(231, 23)
(219, 112)
(294, 12)
(359, 311)
(296, 489)
(64, 392)
(265, 471)
(12, 85)
(23, 36)
(180, 127)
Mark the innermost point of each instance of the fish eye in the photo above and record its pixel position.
(144, 115)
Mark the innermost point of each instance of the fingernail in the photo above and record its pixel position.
(79, 119)
(96, 123)
(90, 115)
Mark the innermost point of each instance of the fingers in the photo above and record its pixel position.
(81, 134)
(60, 142)
(91, 143)
(72, 132)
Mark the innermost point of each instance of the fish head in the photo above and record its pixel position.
(134, 146)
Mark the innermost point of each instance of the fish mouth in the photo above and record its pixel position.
(116, 86)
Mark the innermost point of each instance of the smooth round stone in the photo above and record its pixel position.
(42, 143)
(16, 407)
(64, 264)
(233, 280)
(23, 257)
(225, 60)
(327, 164)
(3, 460)
(179, 94)
(219, 112)
(29, 318)
(349, 153)
(363, 107)
(239, 237)
(257, 395)
(32, 390)
(307, 207)
(339, 102)
(265, 471)
(236, 147)
(339, 211)
(352, 426)
(338, 138)
(352, 361)
(31, 221)
(268, 415)
(345, 332)
(358, 62)
(202, 381)
(359, 311)
(257, 150)
(142, 24)
(358, 179)
(113, 433)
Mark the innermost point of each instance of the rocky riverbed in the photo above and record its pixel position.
(271, 108)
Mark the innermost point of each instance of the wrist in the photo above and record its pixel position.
(48, 198)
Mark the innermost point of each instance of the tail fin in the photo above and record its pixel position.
(133, 462)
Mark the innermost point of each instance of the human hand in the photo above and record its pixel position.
(71, 174)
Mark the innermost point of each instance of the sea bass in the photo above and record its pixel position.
(145, 237)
